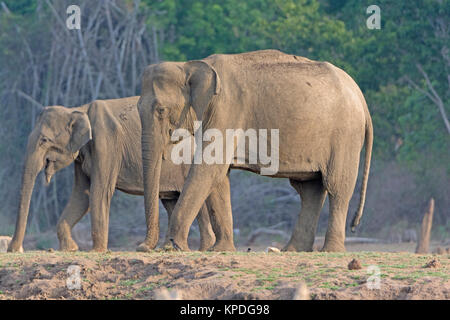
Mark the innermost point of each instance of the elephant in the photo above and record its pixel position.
(320, 113)
(103, 140)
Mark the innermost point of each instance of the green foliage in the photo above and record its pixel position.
(336, 31)
(21, 7)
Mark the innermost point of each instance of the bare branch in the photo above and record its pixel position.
(437, 99)
(431, 94)
(29, 99)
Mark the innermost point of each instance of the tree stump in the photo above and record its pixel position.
(423, 245)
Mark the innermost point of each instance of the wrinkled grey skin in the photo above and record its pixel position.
(103, 138)
(323, 123)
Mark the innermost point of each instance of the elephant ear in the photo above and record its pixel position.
(80, 131)
(204, 84)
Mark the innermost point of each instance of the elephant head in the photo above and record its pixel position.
(173, 95)
(53, 144)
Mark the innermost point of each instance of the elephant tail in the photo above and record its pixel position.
(368, 145)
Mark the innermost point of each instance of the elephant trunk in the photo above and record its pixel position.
(152, 150)
(33, 164)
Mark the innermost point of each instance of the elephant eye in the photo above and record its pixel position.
(44, 140)
(161, 111)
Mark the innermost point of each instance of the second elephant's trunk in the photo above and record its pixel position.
(33, 164)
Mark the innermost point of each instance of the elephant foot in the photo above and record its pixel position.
(291, 247)
(223, 246)
(98, 249)
(179, 245)
(144, 247)
(204, 247)
(68, 245)
(168, 247)
(15, 248)
(333, 247)
(206, 244)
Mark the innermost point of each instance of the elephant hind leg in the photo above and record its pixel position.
(73, 213)
(169, 205)
(207, 237)
(340, 184)
(75, 209)
(312, 194)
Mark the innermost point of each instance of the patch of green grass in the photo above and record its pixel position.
(150, 287)
(269, 287)
(128, 295)
(259, 288)
(129, 282)
(351, 284)
(292, 275)
(247, 271)
(401, 277)
(225, 269)
(440, 274)
(328, 285)
(268, 278)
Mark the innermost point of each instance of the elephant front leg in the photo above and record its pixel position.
(102, 190)
(195, 191)
(219, 207)
(76, 208)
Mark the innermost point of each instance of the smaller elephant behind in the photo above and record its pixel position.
(103, 139)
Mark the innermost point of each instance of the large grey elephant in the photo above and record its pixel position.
(321, 115)
(103, 138)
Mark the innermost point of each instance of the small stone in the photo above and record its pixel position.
(433, 264)
(354, 265)
(50, 250)
(272, 249)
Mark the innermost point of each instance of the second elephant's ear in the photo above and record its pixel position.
(80, 131)
(203, 83)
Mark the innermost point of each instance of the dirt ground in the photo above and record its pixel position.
(240, 275)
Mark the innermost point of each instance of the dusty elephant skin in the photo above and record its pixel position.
(323, 123)
(103, 138)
